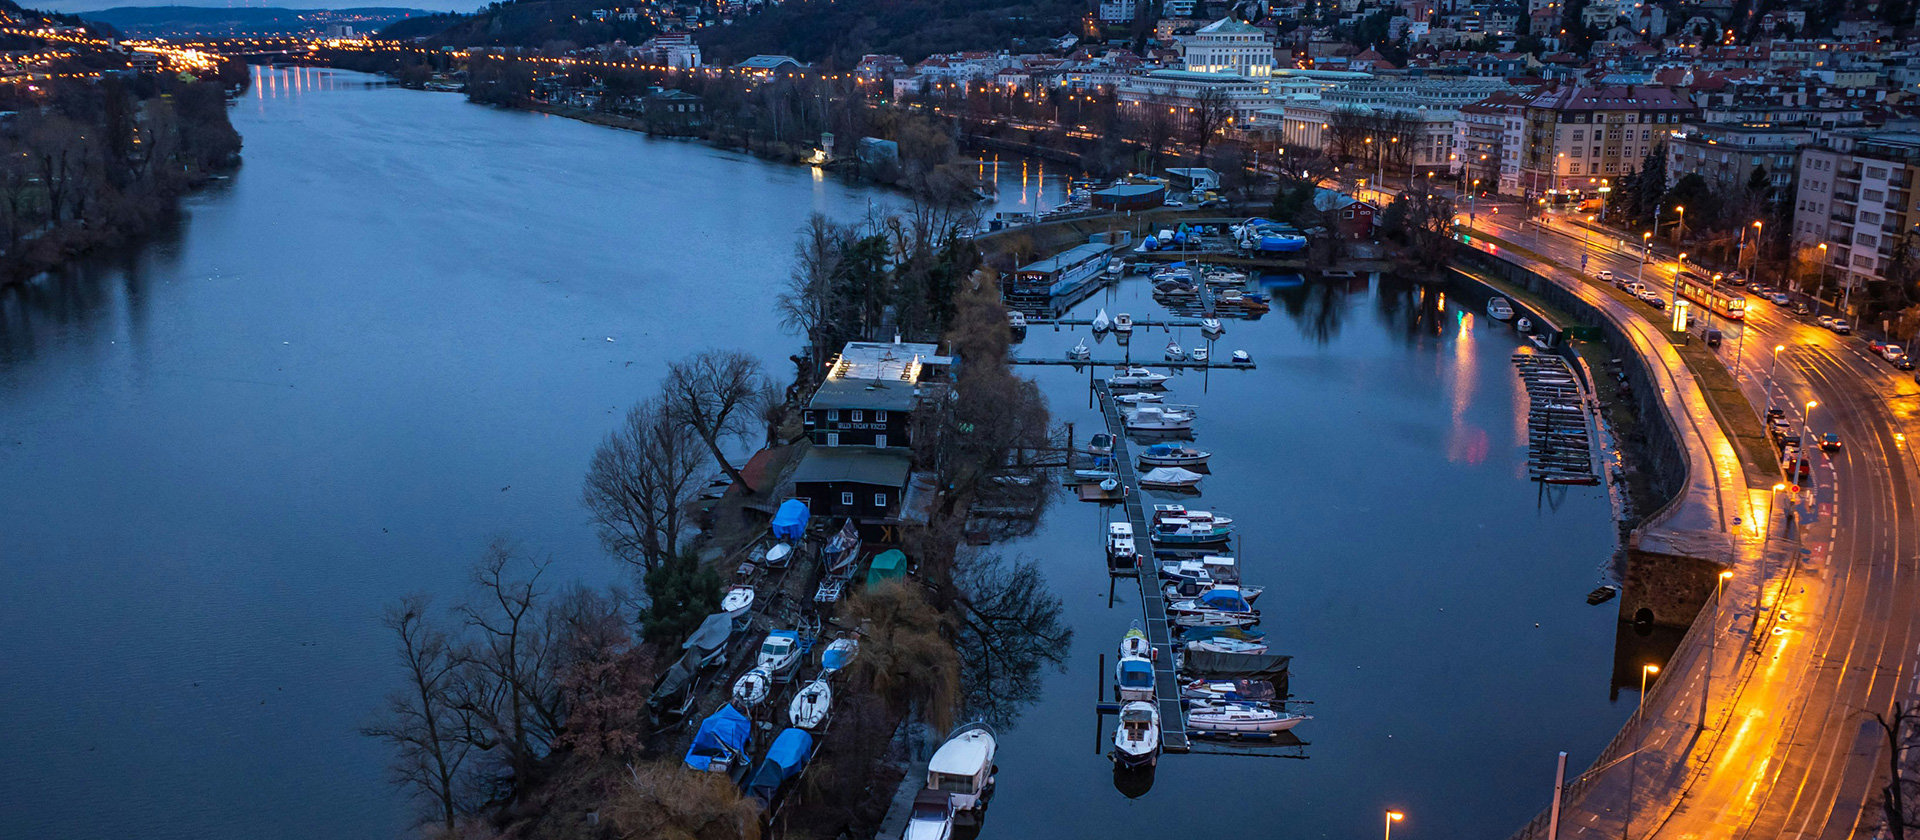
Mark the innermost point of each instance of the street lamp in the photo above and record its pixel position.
(1645, 672)
(1806, 423)
(1775, 367)
(1713, 644)
(1393, 817)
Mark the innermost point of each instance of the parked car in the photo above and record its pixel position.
(1171, 202)
(1736, 278)
(1778, 298)
(1775, 412)
(1830, 442)
(1903, 362)
(1657, 302)
(1825, 321)
(1840, 326)
(1605, 275)
(1877, 346)
(1800, 309)
(1713, 336)
(1891, 351)
(1804, 472)
(1635, 288)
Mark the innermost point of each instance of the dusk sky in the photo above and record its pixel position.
(96, 5)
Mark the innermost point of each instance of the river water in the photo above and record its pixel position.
(401, 328)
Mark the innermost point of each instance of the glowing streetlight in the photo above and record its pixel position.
(1646, 671)
(1393, 817)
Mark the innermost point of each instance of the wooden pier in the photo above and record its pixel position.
(1173, 719)
(1189, 365)
(1083, 322)
(1559, 436)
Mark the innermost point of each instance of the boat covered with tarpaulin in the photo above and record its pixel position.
(721, 741)
(791, 520)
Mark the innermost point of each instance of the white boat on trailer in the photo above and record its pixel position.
(811, 705)
(752, 689)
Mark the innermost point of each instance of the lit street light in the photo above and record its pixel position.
(1393, 817)
(1713, 644)
(1775, 367)
(1645, 672)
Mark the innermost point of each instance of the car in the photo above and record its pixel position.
(1171, 202)
(1825, 321)
(1877, 346)
(1779, 298)
(1804, 471)
(1840, 326)
(1830, 442)
(1736, 278)
(1891, 351)
(1800, 309)
(1775, 412)
(1636, 288)
(1657, 302)
(1605, 275)
(1903, 362)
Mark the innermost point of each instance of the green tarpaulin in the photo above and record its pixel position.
(888, 565)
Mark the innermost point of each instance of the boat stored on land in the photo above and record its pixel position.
(752, 688)
(839, 654)
(780, 653)
(811, 705)
(737, 601)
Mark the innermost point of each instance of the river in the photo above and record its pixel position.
(400, 328)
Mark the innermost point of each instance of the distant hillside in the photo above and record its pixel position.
(178, 21)
(528, 23)
(843, 30)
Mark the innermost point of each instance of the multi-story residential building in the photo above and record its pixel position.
(1856, 197)
(1576, 137)
(1229, 46)
(1480, 140)
(1726, 155)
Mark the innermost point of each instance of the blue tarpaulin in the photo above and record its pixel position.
(1227, 600)
(791, 522)
(1136, 673)
(784, 760)
(722, 736)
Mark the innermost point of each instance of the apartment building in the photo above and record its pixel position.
(1573, 138)
(1856, 197)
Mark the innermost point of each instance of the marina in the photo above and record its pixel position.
(1559, 430)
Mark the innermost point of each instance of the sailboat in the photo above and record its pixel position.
(1080, 352)
(1174, 353)
(1101, 322)
(1221, 716)
(809, 707)
(752, 688)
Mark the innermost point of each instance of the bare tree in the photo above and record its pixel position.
(640, 482)
(1899, 726)
(808, 305)
(1210, 112)
(426, 729)
(1346, 134)
(1009, 626)
(509, 686)
(715, 392)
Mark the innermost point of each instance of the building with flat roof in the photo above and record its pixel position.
(1855, 196)
(1229, 46)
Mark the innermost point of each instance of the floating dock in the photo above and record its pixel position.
(1173, 718)
(1559, 434)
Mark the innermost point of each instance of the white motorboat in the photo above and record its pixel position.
(1159, 418)
(1121, 553)
(1093, 475)
(780, 653)
(1135, 643)
(779, 555)
(1226, 277)
(1205, 518)
(1137, 399)
(1199, 354)
(1226, 644)
(1173, 455)
(1225, 716)
(1080, 352)
(1175, 478)
(1499, 310)
(1100, 443)
(1136, 377)
(1221, 606)
(811, 705)
(1123, 323)
(1133, 678)
(1524, 325)
(1116, 268)
(1174, 531)
(1211, 328)
(839, 655)
(1136, 742)
(1017, 320)
(931, 817)
(1101, 322)
(1241, 357)
(737, 601)
(1207, 568)
(963, 766)
(752, 688)
(1174, 353)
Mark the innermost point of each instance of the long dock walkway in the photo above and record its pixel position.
(1173, 719)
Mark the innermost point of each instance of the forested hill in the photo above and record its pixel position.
(840, 31)
(534, 24)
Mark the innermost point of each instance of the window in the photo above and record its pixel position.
(880, 500)
(859, 416)
(833, 414)
(879, 440)
(846, 499)
(1577, 151)
(880, 416)
(1579, 136)
(1875, 195)
(1347, 215)
(1876, 172)
(1870, 218)
(1573, 169)
(833, 438)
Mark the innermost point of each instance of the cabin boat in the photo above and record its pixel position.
(1257, 691)
(1171, 478)
(1525, 325)
(1135, 643)
(1159, 418)
(737, 601)
(1123, 323)
(1221, 606)
(1499, 310)
(1227, 644)
(1017, 320)
(1136, 742)
(1100, 443)
(1133, 678)
(1174, 353)
(1213, 568)
(1121, 553)
(931, 817)
(1116, 268)
(1079, 352)
(780, 654)
(1101, 322)
(839, 655)
(1173, 455)
(1197, 516)
(811, 705)
(1210, 327)
(1224, 716)
(1199, 354)
(1241, 357)
(1175, 525)
(752, 688)
(1136, 377)
(1142, 397)
(963, 766)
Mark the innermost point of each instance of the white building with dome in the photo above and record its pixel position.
(1229, 46)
